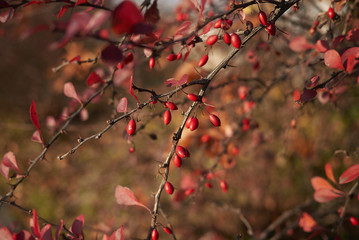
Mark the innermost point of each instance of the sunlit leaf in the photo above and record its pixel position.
(34, 224)
(125, 196)
(329, 172)
(122, 105)
(9, 161)
(307, 223)
(332, 59)
(69, 91)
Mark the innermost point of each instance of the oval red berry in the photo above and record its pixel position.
(131, 127)
(226, 38)
(331, 13)
(167, 230)
(167, 117)
(181, 151)
(218, 24)
(179, 56)
(151, 62)
(262, 18)
(169, 188)
(214, 120)
(188, 121)
(203, 60)
(154, 235)
(192, 97)
(171, 57)
(193, 125)
(171, 106)
(271, 29)
(177, 161)
(223, 185)
(236, 41)
(212, 40)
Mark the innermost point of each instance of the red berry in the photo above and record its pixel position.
(316, 23)
(120, 65)
(193, 125)
(214, 120)
(192, 97)
(129, 58)
(228, 22)
(262, 18)
(223, 186)
(212, 40)
(169, 188)
(235, 151)
(226, 38)
(167, 230)
(154, 235)
(203, 60)
(131, 150)
(189, 191)
(188, 121)
(271, 29)
(177, 161)
(167, 117)
(131, 127)
(218, 24)
(171, 57)
(179, 56)
(181, 151)
(151, 63)
(205, 138)
(331, 13)
(171, 105)
(242, 92)
(236, 41)
(354, 221)
(208, 185)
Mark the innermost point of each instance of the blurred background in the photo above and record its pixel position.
(267, 166)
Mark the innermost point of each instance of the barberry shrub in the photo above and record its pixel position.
(199, 120)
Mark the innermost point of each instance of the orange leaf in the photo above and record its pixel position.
(320, 183)
(329, 172)
(326, 195)
(307, 223)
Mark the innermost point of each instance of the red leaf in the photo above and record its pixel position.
(77, 226)
(125, 196)
(77, 23)
(173, 82)
(326, 195)
(350, 53)
(36, 137)
(333, 60)
(63, 10)
(307, 94)
(126, 18)
(300, 44)
(322, 46)
(4, 170)
(183, 28)
(350, 174)
(337, 40)
(329, 172)
(34, 224)
(307, 223)
(353, 35)
(46, 233)
(5, 234)
(69, 91)
(122, 105)
(207, 28)
(131, 89)
(58, 230)
(118, 234)
(93, 79)
(79, 2)
(111, 55)
(152, 14)
(35, 118)
(350, 64)
(9, 161)
(97, 20)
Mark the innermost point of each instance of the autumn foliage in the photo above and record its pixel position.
(211, 119)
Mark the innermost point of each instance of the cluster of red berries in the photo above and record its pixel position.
(271, 29)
